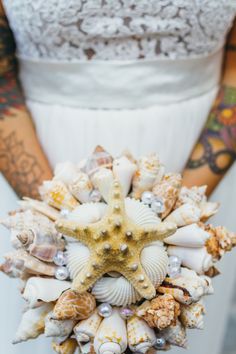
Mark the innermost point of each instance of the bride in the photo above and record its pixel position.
(145, 75)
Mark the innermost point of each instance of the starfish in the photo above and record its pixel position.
(115, 243)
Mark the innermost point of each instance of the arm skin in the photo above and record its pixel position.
(22, 160)
(215, 150)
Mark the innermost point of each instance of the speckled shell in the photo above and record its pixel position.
(192, 316)
(81, 187)
(176, 335)
(67, 347)
(86, 330)
(55, 328)
(140, 336)
(186, 214)
(102, 180)
(74, 306)
(124, 170)
(188, 236)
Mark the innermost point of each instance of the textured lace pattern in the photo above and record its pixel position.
(118, 29)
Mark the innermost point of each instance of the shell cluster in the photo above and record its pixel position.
(115, 257)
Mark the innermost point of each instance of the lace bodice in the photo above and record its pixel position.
(118, 29)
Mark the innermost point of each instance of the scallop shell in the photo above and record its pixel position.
(55, 328)
(32, 323)
(184, 215)
(192, 316)
(111, 336)
(77, 258)
(188, 236)
(124, 170)
(102, 180)
(65, 172)
(69, 346)
(99, 159)
(40, 207)
(176, 335)
(140, 336)
(197, 259)
(38, 290)
(81, 187)
(140, 213)
(87, 329)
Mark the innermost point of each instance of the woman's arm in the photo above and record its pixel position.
(22, 160)
(215, 150)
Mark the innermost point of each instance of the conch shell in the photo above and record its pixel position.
(102, 181)
(86, 330)
(111, 336)
(81, 187)
(150, 171)
(186, 214)
(99, 159)
(220, 242)
(188, 236)
(39, 290)
(167, 190)
(32, 323)
(140, 336)
(176, 335)
(124, 170)
(192, 316)
(161, 312)
(74, 306)
(56, 194)
(55, 328)
(69, 346)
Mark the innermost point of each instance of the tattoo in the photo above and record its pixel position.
(217, 143)
(231, 47)
(18, 166)
(7, 47)
(11, 96)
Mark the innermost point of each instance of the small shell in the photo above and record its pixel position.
(220, 242)
(87, 329)
(167, 190)
(86, 348)
(140, 336)
(88, 213)
(192, 316)
(102, 180)
(77, 258)
(186, 214)
(99, 159)
(40, 207)
(208, 209)
(161, 312)
(38, 290)
(111, 336)
(32, 323)
(195, 195)
(149, 172)
(55, 328)
(74, 306)
(81, 187)
(65, 172)
(56, 194)
(176, 335)
(124, 170)
(188, 236)
(197, 259)
(67, 347)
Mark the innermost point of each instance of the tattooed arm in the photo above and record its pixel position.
(215, 151)
(22, 161)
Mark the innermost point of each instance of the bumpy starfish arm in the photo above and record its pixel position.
(73, 229)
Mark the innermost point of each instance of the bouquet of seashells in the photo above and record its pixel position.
(116, 256)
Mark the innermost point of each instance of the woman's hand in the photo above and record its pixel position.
(215, 150)
(22, 160)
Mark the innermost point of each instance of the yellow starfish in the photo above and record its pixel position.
(115, 243)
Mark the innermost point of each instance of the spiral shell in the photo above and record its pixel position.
(192, 316)
(102, 180)
(55, 328)
(99, 159)
(188, 236)
(87, 329)
(140, 336)
(186, 214)
(176, 335)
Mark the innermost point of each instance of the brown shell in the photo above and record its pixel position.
(74, 306)
(220, 242)
(69, 346)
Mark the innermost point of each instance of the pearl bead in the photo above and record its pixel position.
(174, 272)
(157, 206)
(174, 261)
(61, 273)
(60, 258)
(160, 343)
(105, 310)
(126, 313)
(147, 197)
(95, 196)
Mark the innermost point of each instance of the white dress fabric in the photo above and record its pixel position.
(138, 75)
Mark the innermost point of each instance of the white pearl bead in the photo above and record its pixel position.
(60, 258)
(105, 310)
(61, 273)
(157, 206)
(147, 197)
(126, 313)
(174, 261)
(160, 343)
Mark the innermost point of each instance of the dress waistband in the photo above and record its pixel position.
(119, 84)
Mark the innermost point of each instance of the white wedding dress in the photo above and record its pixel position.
(129, 74)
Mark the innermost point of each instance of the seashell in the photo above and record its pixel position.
(176, 335)
(65, 172)
(102, 180)
(56, 194)
(87, 329)
(38, 290)
(184, 215)
(111, 336)
(194, 195)
(187, 288)
(208, 209)
(150, 171)
(140, 336)
(55, 328)
(140, 213)
(188, 236)
(120, 292)
(88, 213)
(167, 190)
(40, 207)
(32, 323)
(77, 258)
(161, 312)
(86, 348)
(197, 259)
(69, 346)
(74, 306)
(220, 242)
(81, 187)
(212, 272)
(124, 170)
(192, 316)
(99, 159)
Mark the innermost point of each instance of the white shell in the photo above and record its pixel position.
(102, 180)
(188, 236)
(55, 328)
(140, 213)
(81, 187)
(32, 323)
(208, 209)
(39, 290)
(140, 336)
(176, 335)
(87, 329)
(124, 170)
(111, 337)
(40, 207)
(87, 213)
(192, 316)
(65, 172)
(184, 215)
(197, 259)
(77, 258)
